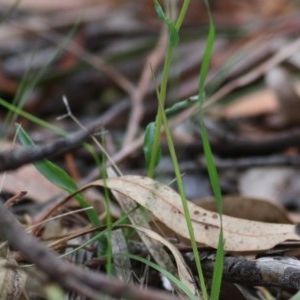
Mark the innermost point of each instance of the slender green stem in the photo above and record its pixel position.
(182, 14)
(163, 90)
(184, 203)
(158, 121)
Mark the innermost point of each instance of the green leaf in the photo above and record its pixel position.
(173, 33)
(206, 57)
(218, 269)
(159, 11)
(161, 270)
(211, 167)
(57, 176)
(174, 37)
(49, 170)
(148, 145)
(181, 105)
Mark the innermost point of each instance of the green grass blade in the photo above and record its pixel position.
(182, 14)
(181, 105)
(206, 58)
(149, 141)
(184, 200)
(218, 269)
(214, 181)
(211, 167)
(170, 276)
(173, 40)
(58, 177)
(31, 117)
(173, 33)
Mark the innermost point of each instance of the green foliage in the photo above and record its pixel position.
(149, 139)
(153, 133)
(211, 167)
(206, 58)
(165, 76)
(173, 33)
(161, 118)
(58, 177)
(214, 181)
(184, 200)
(31, 117)
(179, 106)
(164, 272)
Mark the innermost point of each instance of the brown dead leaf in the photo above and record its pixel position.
(249, 208)
(28, 179)
(165, 204)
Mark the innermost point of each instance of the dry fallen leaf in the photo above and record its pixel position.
(27, 178)
(165, 204)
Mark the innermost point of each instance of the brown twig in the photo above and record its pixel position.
(229, 144)
(10, 160)
(281, 271)
(14, 199)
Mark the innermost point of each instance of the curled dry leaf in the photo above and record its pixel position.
(165, 204)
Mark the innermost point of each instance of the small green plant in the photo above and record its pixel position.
(152, 138)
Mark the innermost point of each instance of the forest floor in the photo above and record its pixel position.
(78, 89)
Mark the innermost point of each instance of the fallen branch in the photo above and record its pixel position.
(13, 159)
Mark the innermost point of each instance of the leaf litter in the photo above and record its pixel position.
(165, 205)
